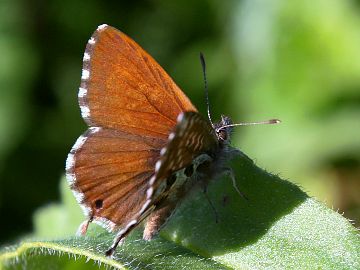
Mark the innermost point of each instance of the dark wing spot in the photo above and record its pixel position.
(98, 204)
(189, 170)
(170, 181)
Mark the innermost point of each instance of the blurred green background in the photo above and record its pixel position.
(298, 61)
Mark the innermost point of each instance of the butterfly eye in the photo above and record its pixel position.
(225, 120)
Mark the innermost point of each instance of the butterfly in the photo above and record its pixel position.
(146, 144)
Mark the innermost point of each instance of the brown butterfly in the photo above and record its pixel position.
(146, 145)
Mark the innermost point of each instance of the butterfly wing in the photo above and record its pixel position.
(124, 88)
(131, 106)
(108, 170)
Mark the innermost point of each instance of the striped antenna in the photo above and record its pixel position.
(268, 122)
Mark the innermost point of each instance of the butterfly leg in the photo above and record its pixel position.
(211, 204)
(229, 172)
(83, 227)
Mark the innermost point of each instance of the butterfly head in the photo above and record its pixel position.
(223, 129)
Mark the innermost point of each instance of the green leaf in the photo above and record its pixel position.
(278, 227)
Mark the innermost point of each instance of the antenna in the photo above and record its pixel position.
(203, 65)
(268, 122)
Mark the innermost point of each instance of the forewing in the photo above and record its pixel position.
(124, 88)
(109, 171)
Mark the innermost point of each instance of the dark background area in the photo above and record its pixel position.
(299, 62)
